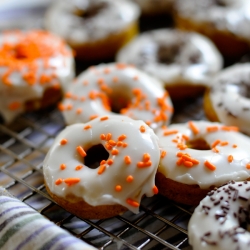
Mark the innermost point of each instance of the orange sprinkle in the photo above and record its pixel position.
(85, 83)
(115, 79)
(62, 166)
(100, 81)
(63, 141)
(215, 143)
(110, 161)
(102, 162)
(185, 137)
(179, 154)
(106, 71)
(230, 158)
(122, 137)
(146, 157)
(115, 152)
(121, 65)
(93, 117)
(212, 129)
(163, 154)
(59, 181)
(188, 158)
(193, 127)
(14, 106)
(112, 142)
(118, 188)
(170, 132)
(78, 167)
(135, 78)
(142, 164)
(224, 143)
(124, 144)
(155, 190)
(68, 95)
(69, 107)
(188, 164)
(104, 118)
(142, 129)
(130, 178)
(235, 146)
(127, 159)
(87, 127)
(209, 165)
(132, 203)
(103, 137)
(71, 181)
(230, 128)
(179, 162)
(61, 107)
(215, 150)
(108, 136)
(108, 146)
(81, 151)
(119, 144)
(79, 111)
(248, 165)
(101, 169)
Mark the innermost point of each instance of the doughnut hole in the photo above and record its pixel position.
(95, 155)
(91, 11)
(198, 144)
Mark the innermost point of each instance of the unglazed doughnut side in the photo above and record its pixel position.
(125, 173)
(121, 88)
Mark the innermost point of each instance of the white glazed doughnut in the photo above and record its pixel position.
(220, 221)
(228, 100)
(31, 62)
(95, 29)
(118, 87)
(122, 177)
(175, 57)
(203, 154)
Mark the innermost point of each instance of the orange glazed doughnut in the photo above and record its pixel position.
(117, 88)
(199, 155)
(104, 167)
(33, 67)
(225, 22)
(95, 29)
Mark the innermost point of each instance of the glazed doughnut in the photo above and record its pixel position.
(33, 67)
(228, 99)
(220, 221)
(126, 156)
(200, 155)
(183, 61)
(95, 29)
(119, 88)
(225, 22)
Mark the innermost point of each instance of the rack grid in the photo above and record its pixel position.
(160, 224)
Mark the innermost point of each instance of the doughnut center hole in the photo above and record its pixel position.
(198, 144)
(95, 155)
(91, 11)
(168, 54)
(221, 3)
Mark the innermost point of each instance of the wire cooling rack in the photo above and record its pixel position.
(160, 224)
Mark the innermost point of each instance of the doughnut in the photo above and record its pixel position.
(225, 22)
(155, 7)
(33, 67)
(197, 156)
(116, 88)
(227, 101)
(103, 167)
(220, 221)
(95, 29)
(183, 61)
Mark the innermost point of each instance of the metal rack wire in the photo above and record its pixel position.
(160, 224)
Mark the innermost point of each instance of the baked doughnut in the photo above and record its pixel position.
(221, 220)
(33, 67)
(228, 99)
(95, 29)
(125, 159)
(200, 155)
(183, 61)
(120, 88)
(225, 22)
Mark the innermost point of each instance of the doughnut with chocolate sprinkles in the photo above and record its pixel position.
(228, 100)
(221, 220)
(117, 88)
(104, 167)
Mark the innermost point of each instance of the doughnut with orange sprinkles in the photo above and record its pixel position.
(199, 155)
(33, 66)
(105, 167)
(117, 88)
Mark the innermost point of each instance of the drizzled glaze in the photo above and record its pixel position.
(227, 157)
(143, 96)
(220, 221)
(230, 95)
(30, 62)
(123, 178)
(187, 57)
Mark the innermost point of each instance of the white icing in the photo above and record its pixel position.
(142, 52)
(99, 189)
(198, 173)
(205, 232)
(233, 18)
(127, 79)
(230, 103)
(61, 65)
(62, 20)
